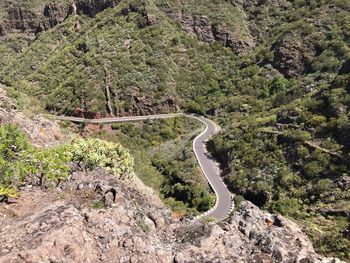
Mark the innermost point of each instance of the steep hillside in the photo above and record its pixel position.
(294, 159)
(131, 59)
(287, 147)
(274, 73)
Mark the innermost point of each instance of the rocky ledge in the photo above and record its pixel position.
(94, 217)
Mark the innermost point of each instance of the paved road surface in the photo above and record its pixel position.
(209, 167)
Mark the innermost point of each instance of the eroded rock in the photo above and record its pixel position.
(207, 31)
(65, 226)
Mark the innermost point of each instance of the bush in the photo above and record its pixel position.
(297, 135)
(238, 199)
(7, 192)
(317, 120)
(323, 185)
(93, 153)
(194, 107)
(286, 205)
(12, 142)
(20, 161)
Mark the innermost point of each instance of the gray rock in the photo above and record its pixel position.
(63, 226)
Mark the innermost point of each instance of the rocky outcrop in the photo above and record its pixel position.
(207, 31)
(291, 56)
(147, 105)
(21, 19)
(40, 131)
(53, 15)
(130, 228)
(93, 7)
(250, 235)
(199, 25)
(94, 217)
(234, 39)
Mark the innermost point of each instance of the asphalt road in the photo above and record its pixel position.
(209, 167)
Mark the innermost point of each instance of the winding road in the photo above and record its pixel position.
(209, 167)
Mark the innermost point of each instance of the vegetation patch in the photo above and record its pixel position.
(164, 160)
(21, 163)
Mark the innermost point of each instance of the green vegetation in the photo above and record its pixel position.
(284, 106)
(21, 162)
(98, 205)
(238, 199)
(295, 163)
(208, 220)
(164, 160)
(143, 225)
(6, 192)
(61, 68)
(95, 153)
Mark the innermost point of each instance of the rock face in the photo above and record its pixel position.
(22, 19)
(25, 20)
(291, 55)
(93, 7)
(93, 217)
(128, 229)
(250, 235)
(146, 105)
(53, 15)
(19, 19)
(206, 31)
(233, 39)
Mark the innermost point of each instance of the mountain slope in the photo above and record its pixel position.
(141, 64)
(274, 73)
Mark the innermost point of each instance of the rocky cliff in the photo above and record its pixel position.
(46, 15)
(208, 31)
(21, 19)
(94, 217)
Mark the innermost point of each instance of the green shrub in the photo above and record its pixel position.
(323, 185)
(297, 135)
(317, 120)
(238, 199)
(286, 205)
(20, 160)
(143, 225)
(93, 153)
(12, 143)
(8, 192)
